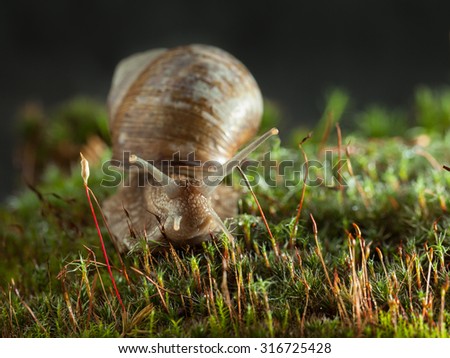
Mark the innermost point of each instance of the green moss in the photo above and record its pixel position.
(378, 266)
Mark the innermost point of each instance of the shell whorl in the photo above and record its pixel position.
(187, 99)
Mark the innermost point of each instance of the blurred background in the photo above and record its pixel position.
(377, 51)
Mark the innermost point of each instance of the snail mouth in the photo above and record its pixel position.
(181, 232)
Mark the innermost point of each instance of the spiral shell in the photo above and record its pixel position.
(188, 99)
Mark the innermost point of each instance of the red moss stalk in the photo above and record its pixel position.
(85, 176)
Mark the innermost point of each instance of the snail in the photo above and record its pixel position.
(192, 107)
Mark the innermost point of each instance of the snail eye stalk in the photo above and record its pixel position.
(236, 160)
(171, 188)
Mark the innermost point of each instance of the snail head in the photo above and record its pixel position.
(184, 205)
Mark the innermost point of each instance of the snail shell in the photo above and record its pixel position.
(188, 99)
(191, 99)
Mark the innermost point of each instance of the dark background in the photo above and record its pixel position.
(379, 51)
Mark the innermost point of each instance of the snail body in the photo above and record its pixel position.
(184, 106)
